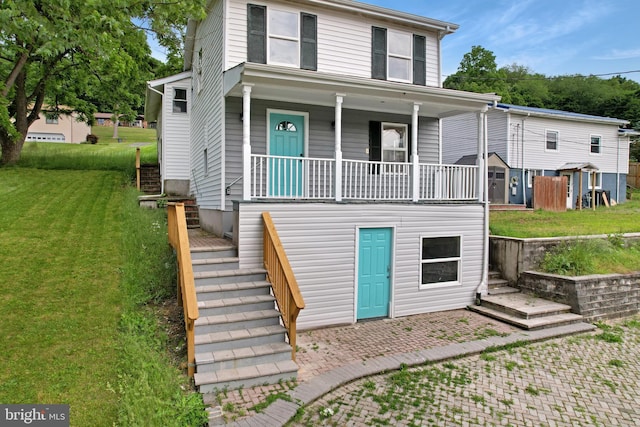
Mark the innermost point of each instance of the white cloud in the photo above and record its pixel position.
(616, 54)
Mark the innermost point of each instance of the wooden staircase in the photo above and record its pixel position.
(239, 339)
(509, 305)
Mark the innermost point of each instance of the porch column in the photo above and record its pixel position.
(338, 147)
(246, 142)
(415, 162)
(482, 152)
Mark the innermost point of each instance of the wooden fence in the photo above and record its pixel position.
(550, 193)
(633, 177)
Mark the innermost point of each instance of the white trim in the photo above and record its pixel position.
(399, 56)
(392, 266)
(530, 176)
(598, 180)
(296, 39)
(407, 154)
(569, 201)
(459, 258)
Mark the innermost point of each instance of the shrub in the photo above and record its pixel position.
(92, 139)
(573, 259)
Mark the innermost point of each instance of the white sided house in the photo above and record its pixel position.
(544, 142)
(58, 127)
(168, 104)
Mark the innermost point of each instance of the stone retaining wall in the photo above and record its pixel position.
(596, 297)
(512, 256)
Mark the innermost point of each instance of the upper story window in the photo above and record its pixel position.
(552, 140)
(398, 56)
(281, 37)
(596, 144)
(51, 120)
(179, 100)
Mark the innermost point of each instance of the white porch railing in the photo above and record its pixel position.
(280, 177)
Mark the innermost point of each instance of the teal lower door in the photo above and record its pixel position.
(374, 272)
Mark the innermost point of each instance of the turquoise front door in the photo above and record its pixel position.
(286, 139)
(374, 272)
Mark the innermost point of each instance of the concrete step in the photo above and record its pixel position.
(524, 306)
(241, 320)
(497, 282)
(493, 274)
(242, 357)
(501, 290)
(236, 305)
(229, 276)
(228, 251)
(229, 340)
(268, 373)
(528, 324)
(215, 264)
(232, 290)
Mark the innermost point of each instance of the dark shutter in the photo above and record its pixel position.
(375, 145)
(256, 34)
(309, 44)
(419, 60)
(378, 53)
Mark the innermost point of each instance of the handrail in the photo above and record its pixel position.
(283, 282)
(179, 240)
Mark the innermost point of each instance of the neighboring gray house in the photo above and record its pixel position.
(168, 103)
(538, 141)
(327, 115)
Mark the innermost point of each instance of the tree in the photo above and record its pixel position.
(60, 55)
(477, 72)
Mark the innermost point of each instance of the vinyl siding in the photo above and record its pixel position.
(344, 40)
(207, 130)
(460, 136)
(355, 135)
(573, 143)
(320, 242)
(176, 130)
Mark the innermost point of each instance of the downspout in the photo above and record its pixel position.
(524, 186)
(441, 35)
(483, 286)
(617, 172)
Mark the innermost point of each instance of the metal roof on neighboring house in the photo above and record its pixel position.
(547, 112)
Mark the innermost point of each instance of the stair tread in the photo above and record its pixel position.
(216, 248)
(498, 290)
(534, 323)
(233, 286)
(243, 352)
(227, 302)
(227, 273)
(528, 305)
(206, 261)
(237, 334)
(235, 374)
(236, 317)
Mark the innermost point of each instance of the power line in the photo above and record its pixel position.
(533, 77)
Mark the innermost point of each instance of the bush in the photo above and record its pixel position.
(92, 139)
(572, 259)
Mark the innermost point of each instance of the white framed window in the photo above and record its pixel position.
(284, 38)
(531, 173)
(51, 120)
(394, 142)
(179, 100)
(595, 144)
(551, 140)
(598, 180)
(399, 48)
(440, 260)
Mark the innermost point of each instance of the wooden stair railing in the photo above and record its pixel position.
(283, 282)
(179, 240)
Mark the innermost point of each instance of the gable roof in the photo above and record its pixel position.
(472, 159)
(155, 88)
(558, 114)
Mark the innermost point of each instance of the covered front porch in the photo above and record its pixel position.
(368, 140)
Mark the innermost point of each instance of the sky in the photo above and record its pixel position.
(552, 37)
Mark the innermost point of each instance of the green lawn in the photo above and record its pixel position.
(127, 134)
(623, 218)
(60, 239)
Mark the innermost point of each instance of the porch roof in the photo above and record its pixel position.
(311, 87)
(586, 166)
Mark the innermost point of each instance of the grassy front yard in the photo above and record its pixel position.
(84, 277)
(623, 218)
(127, 134)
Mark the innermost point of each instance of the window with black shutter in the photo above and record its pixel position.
(419, 60)
(378, 53)
(398, 56)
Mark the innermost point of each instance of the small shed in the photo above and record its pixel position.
(497, 173)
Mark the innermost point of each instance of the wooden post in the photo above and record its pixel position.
(593, 190)
(138, 168)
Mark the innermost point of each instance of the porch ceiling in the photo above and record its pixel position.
(310, 87)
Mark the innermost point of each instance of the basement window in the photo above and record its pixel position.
(440, 261)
